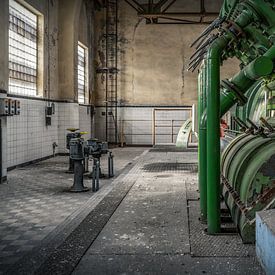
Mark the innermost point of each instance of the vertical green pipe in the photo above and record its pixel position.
(212, 118)
(213, 142)
(260, 67)
(202, 145)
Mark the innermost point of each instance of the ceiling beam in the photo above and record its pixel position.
(184, 14)
(134, 4)
(152, 12)
(168, 6)
(160, 4)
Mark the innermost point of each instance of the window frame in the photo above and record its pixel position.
(39, 49)
(86, 73)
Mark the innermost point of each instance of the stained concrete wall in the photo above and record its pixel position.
(153, 59)
(152, 63)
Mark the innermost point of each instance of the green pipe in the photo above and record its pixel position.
(216, 108)
(212, 87)
(202, 145)
(213, 133)
(264, 10)
(243, 80)
(252, 95)
(260, 67)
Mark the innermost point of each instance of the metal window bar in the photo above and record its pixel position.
(22, 50)
(81, 74)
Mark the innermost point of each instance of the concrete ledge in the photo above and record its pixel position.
(265, 240)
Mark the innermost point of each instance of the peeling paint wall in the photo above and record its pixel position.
(152, 71)
(153, 61)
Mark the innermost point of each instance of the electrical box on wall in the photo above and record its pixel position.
(49, 111)
(17, 107)
(9, 107)
(4, 107)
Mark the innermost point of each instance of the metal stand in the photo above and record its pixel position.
(110, 165)
(71, 166)
(95, 174)
(78, 185)
(86, 164)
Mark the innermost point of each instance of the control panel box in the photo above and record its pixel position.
(17, 107)
(4, 106)
(9, 107)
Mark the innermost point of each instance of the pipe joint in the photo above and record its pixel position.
(238, 93)
(260, 67)
(246, 17)
(216, 48)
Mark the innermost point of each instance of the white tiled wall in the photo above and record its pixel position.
(68, 117)
(28, 137)
(136, 124)
(72, 116)
(85, 123)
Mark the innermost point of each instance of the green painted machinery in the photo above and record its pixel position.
(248, 177)
(184, 134)
(245, 29)
(260, 102)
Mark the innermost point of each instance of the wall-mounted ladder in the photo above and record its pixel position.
(111, 71)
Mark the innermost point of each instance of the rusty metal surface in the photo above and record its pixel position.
(265, 198)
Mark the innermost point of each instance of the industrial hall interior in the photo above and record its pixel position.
(137, 137)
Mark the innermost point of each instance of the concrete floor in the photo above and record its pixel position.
(143, 222)
(36, 205)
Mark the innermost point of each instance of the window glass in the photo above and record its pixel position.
(82, 75)
(22, 50)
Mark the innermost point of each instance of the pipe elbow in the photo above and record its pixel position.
(216, 48)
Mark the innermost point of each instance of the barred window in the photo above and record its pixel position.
(82, 74)
(22, 50)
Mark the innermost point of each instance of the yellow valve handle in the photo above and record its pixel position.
(72, 129)
(83, 133)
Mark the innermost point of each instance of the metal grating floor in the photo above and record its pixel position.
(166, 149)
(203, 245)
(170, 166)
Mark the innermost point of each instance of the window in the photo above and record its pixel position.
(82, 74)
(23, 25)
